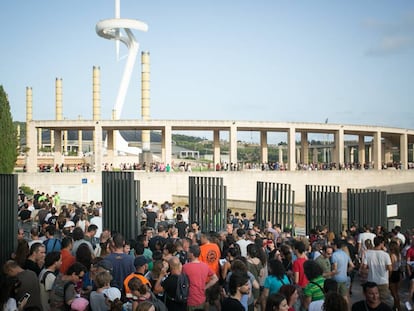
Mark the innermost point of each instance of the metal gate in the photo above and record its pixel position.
(276, 203)
(121, 199)
(8, 215)
(367, 206)
(323, 207)
(208, 202)
(404, 202)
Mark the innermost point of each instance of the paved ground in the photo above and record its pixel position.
(357, 293)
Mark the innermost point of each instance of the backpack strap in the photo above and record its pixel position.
(54, 244)
(43, 280)
(318, 286)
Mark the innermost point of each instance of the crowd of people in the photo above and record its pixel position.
(189, 166)
(66, 260)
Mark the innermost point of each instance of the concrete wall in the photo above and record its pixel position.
(241, 186)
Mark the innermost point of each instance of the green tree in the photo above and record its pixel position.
(8, 150)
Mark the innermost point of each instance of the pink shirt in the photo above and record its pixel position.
(198, 274)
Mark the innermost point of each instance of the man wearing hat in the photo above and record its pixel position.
(141, 266)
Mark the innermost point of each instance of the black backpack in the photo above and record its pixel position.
(183, 285)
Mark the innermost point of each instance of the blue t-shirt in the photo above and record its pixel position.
(273, 283)
(341, 259)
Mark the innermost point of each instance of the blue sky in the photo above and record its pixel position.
(349, 61)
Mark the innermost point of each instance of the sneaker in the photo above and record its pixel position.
(408, 306)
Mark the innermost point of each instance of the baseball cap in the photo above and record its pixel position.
(69, 224)
(112, 293)
(105, 264)
(140, 261)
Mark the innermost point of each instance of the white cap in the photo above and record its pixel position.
(112, 293)
(69, 223)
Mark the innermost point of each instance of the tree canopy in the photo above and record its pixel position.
(8, 134)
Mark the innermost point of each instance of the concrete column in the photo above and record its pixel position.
(39, 138)
(57, 154)
(145, 99)
(96, 93)
(31, 151)
(19, 149)
(352, 155)
(52, 140)
(387, 156)
(315, 155)
(347, 154)
(65, 142)
(110, 146)
(291, 149)
(216, 147)
(96, 100)
(233, 143)
(80, 144)
(263, 145)
(166, 148)
(59, 99)
(31, 144)
(304, 145)
(377, 147)
(370, 154)
(97, 147)
(404, 151)
(114, 134)
(361, 149)
(298, 155)
(339, 147)
(280, 155)
(412, 152)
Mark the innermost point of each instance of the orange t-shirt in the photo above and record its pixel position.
(67, 260)
(210, 254)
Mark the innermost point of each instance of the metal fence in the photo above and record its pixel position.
(208, 202)
(121, 199)
(367, 206)
(8, 215)
(323, 207)
(276, 203)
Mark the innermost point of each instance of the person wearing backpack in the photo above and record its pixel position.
(63, 291)
(47, 277)
(175, 285)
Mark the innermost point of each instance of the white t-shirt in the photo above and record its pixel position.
(377, 262)
(243, 246)
(316, 305)
(365, 236)
(10, 305)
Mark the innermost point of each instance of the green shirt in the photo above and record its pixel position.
(313, 290)
(324, 263)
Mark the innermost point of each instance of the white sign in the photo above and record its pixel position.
(392, 210)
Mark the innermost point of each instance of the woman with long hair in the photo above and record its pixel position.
(395, 277)
(255, 266)
(84, 256)
(276, 302)
(275, 280)
(22, 252)
(291, 294)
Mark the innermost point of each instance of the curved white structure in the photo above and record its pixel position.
(121, 30)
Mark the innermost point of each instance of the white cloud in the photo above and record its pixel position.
(394, 37)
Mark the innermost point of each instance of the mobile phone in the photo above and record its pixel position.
(26, 296)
